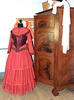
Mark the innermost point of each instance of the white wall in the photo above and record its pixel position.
(3, 58)
(12, 9)
(71, 2)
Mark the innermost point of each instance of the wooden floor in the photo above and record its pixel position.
(40, 92)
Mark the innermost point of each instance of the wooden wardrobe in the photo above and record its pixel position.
(51, 65)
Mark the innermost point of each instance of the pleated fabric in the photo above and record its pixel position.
(19, 73)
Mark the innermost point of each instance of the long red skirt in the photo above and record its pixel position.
(19, 74)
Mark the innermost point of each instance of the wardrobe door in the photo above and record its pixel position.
(66, 61)
(44, 48)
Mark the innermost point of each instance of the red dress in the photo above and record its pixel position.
(19, 74)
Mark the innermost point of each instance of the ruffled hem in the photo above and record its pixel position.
(19, 88)
(19, 81)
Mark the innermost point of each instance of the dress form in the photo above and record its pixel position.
(20, 24)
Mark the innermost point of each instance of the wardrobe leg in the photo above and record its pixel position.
(55, 92)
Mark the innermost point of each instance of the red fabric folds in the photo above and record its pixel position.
(19, 81)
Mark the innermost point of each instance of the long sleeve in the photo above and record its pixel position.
(10, 41)
(30, 45)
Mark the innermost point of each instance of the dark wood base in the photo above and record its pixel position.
(56, 89)
(55, 92)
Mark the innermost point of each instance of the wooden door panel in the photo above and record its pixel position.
(44, 50)
(66, 72)
(72, 34)
(45, 68)
(45, 42)
(66, 61)
(45, 23)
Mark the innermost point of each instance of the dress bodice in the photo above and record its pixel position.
(19, 38)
